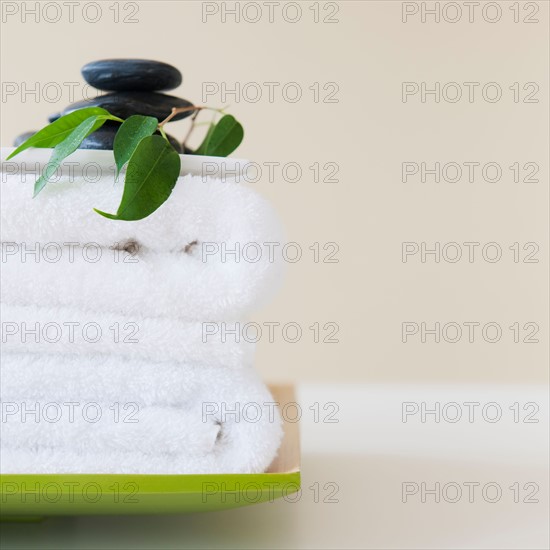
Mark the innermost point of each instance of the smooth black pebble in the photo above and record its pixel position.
(174, 143)
(121, 75)
(104, 138)
(22, 138)
(54, 117)
(125, 104)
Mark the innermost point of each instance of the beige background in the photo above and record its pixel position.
(369, 133)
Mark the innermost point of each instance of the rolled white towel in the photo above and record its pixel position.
(227, 424)
(67, 377)
(157, 284)
(53, 330)
(54, 461)
(102, 426)
(185, 258)
(210, 210)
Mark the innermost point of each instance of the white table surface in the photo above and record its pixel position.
(367, 456)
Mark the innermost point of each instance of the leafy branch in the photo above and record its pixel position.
(153, 163)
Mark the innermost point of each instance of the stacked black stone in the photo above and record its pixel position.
(133, 86)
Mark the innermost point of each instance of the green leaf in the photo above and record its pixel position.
(225, 138)
(66, 147)
(151, 175)
(58, 130)
(201, 150)
(131, 132)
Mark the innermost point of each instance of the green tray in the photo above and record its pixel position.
(32, 497)
(28, 497)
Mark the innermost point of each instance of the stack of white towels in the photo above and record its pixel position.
(117, 350)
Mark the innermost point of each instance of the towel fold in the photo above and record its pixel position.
(223, 424)
(103, 426)
(158, 284)
(207, 251)
(51, 330)
(209, 211)
(48, 461)
(33, 377)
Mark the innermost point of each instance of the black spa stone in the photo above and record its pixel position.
(22, 138)
(174, 143)
(104, 138)
(54, 117)
(125, 104)
(121, 75)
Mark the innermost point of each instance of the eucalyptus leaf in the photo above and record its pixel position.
(130, 133)
(57, 131)
(66, 147)
(151, 175)
(226, 136)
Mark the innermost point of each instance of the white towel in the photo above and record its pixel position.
(47, 461)
(212, 211)
(160, 284)
(49, 330)
(213, 248)
(101, 377)
(226, 423)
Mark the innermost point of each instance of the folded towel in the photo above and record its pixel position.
(33, 377)
(209, 211)
(113, 315)
(51, 330)
(205, 251)
(226, 424)
(47, 461)
(157, 284)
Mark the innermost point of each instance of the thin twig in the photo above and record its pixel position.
(193, 118)
(177, 111)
